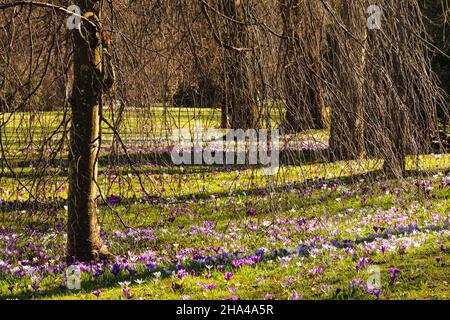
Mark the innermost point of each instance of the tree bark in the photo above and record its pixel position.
(240, 92)
(347, 117)
(84, 241)
(304, 95)
(395, 153)
(223, 115)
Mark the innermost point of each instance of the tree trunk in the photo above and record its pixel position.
(84, 241)
(395, 153)
(347, 117)
(304, 95)
(240, 92)
(224, 114)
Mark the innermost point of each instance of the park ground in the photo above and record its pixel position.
(314, 231)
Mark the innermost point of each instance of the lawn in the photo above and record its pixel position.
(313, 231)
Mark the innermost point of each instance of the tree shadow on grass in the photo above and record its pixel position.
(376, 175)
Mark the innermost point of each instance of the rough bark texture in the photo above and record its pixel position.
(347, 117)
(305, 106)
(395, 155)
(84, 241)
(240, 92)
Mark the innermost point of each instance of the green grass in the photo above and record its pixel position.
(215, 207)
(421, 276)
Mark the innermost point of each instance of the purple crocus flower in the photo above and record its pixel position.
(402, 249)
(167, 271)
(115, 269)
(208, 286)
(151, 266)
(357, 283)
(97, 293)
(445, 182)
(362, 263)
(375, 292)
(181, 274)
(233, 298)
(127, 293)
(132, 272)
(236, 263)
(303, 249)
(393, 274)
(228, 276)
(262, 192)
(316, 271)
(97, 273)
(113, 200)
(269, 296)
(296, 296)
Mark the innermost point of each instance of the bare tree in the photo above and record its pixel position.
(382, 92)
(91, 80)
(239, 82)
(303, 23)
(347, 126)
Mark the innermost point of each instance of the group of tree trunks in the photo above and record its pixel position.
(372, 89)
